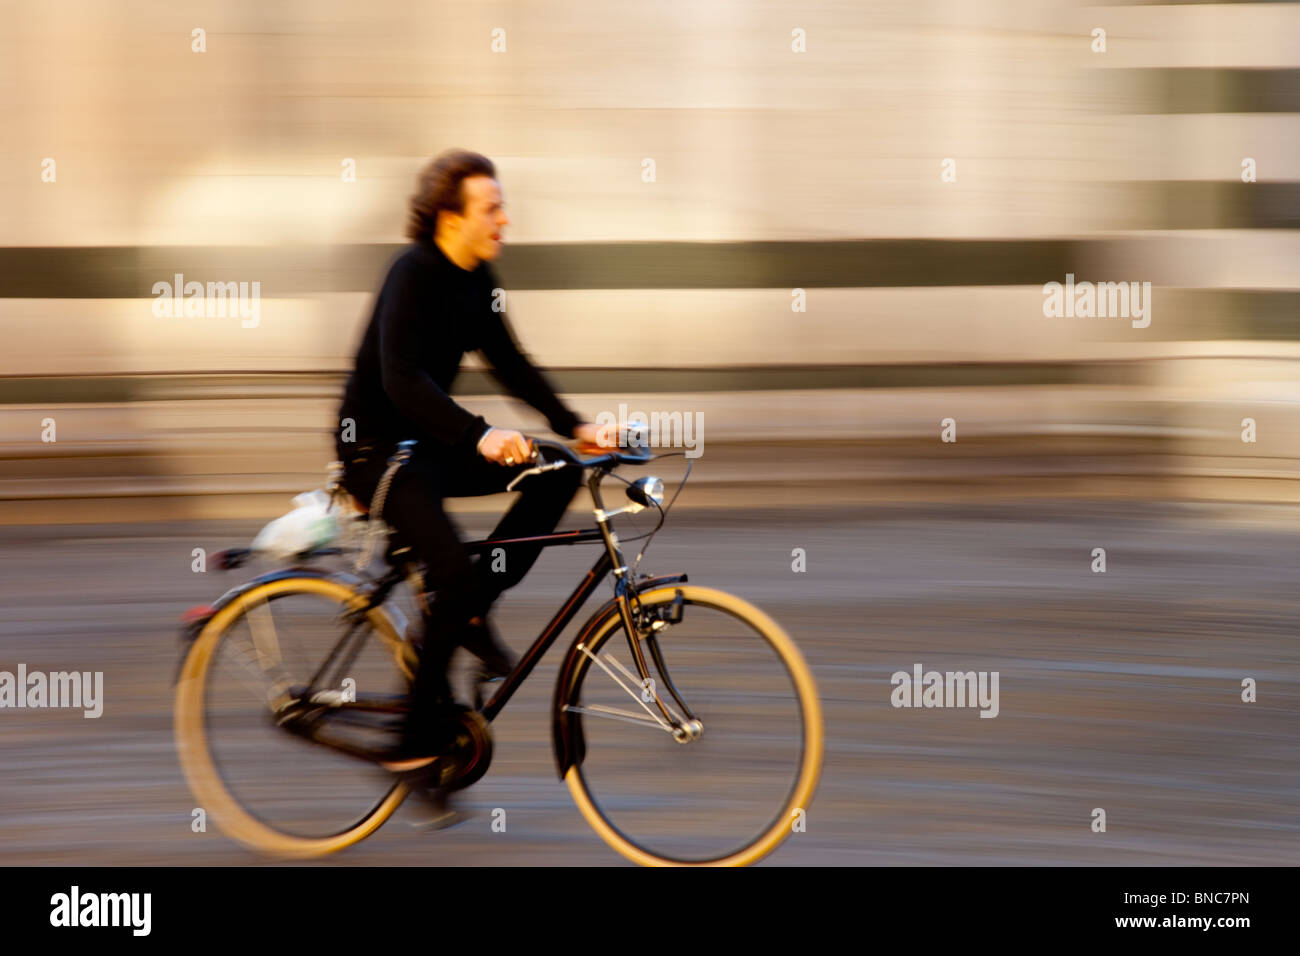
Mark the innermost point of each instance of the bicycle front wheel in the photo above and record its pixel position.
(285, 647)
(736, 785)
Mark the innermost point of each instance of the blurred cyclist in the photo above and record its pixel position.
(436, 304)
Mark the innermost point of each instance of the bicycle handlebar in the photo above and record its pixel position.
(564, 455)
(615, 456)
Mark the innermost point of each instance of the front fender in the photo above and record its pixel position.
(567, 733)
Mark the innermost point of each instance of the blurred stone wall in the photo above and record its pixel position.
(909, 174)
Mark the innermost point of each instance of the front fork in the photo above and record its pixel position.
(691, 728)
(640, 628)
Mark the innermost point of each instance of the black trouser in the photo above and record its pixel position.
(462, 588)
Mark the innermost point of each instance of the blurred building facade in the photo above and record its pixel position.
(828, 226)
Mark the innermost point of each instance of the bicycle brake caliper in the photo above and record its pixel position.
(659, 617)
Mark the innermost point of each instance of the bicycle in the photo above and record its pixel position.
(252, 762)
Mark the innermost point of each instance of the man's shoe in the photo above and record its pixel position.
(437, 813)
(495, 660)
(481, 640)
(432, 778)
(423, 768)
(433, 806)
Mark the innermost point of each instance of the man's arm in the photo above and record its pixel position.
(514, 370)
(406, 305)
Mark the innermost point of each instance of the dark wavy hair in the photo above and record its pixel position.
(439, 188)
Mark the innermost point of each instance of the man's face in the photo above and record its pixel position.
(481, 226)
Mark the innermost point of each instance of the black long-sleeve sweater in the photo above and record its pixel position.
(429, 313)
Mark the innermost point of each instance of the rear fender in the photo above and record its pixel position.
(196, 618)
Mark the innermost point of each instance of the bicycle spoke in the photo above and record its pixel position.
(635, 680)
(266, 644)
(353, 639)
(614, 677)
(613, 713)
(246, 655)
(264, 639)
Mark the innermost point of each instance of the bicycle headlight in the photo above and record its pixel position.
(647, 491)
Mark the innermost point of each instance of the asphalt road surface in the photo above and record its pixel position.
(1119, 690)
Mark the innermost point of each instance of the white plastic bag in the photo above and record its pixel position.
(309, 525)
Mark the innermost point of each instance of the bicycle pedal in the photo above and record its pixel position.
(299, 718)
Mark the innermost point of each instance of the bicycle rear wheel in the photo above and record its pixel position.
(728, 795)
(266, 785)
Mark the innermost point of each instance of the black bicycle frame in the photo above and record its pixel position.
(543, 643)
(610, 559)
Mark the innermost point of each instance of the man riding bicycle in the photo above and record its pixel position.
(437, 303)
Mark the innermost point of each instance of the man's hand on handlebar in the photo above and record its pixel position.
(595, 439)
(506, 447)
